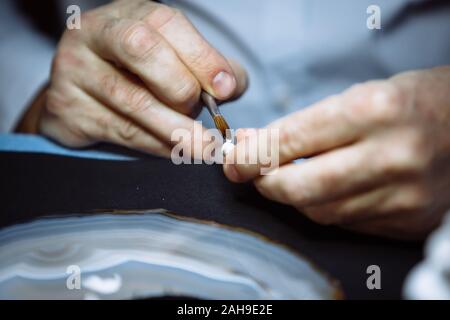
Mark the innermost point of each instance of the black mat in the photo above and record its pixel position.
(37, 184)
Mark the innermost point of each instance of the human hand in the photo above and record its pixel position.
(130, 76)
(379, 157)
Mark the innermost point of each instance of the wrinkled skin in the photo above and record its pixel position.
(131, 75)
(379, 157)
(378, 154)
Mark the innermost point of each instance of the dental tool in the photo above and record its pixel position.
(219, 121)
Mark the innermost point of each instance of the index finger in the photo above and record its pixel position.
(210, 68)
(304, 133)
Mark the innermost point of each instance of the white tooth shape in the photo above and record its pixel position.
(227, 147)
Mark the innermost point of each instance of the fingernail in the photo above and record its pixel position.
(232, 173)
(224, 85)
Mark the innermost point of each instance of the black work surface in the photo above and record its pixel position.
(32, 185)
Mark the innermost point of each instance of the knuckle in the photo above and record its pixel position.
(134, 100)
(285, 135)
(199, 57)
(89, 20)
(397, 161)
(328, 179)
(163, 15)
(137, 101)
(55, 103)
(378, 102)
(128, 130)
(413, 224)
(98, 128)
(291, 139)
(187, 93)
(355, 100)
(357, 90)
(320, 216)
(409, 156)
(103, 123)
(76, 133)
(287, 191)
(171, 12)
(59, 66)
(260, 185)
(202, 59)
(385, 103)
(288, 134)
(418, 153)
(109, 29)
(83, 130)
(293, 194)
(64, 62)
(139, 42)
(88, 17)
(110, 84)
